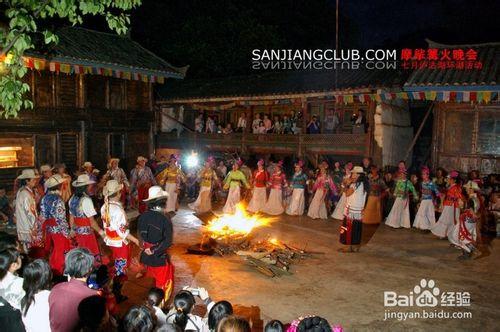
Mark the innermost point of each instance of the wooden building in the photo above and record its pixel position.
(277, 94)
(466, 119)
(93, 98)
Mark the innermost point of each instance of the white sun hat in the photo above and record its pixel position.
(155, 192)
(82, 180)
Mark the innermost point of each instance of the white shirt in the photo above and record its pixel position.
(86, 206)
(25, 213)
(242, 123)
(11, 289)
(37, 317)
(355, 203)
(161, 318)
(117, 220)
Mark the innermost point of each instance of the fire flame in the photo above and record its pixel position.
(236, 225)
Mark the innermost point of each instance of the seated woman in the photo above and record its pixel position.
(180, 314)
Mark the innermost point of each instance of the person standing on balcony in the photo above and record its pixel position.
(141, 179)
(259, 192)
(256, 124)
(338, 213)
(313, 126)
(287, 125)
(207, 177)
(171, 178)
(274, 205)
(298, 183)
(228, 129)
(242, 123)
(268, 124)
(278, 126)
(322, 186)
(118, 174)
(331, 122)
(358, 121)
(57, 231)
(210, 126)
(233, 182)
(198, 123)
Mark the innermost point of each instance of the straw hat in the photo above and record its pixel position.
(141, 158)
(87, 164)
(45, 168)
(358, 170)
(111, 187)
(82, 180)
(54, 180)
(154, 193)
(472, 185)
(28, 173)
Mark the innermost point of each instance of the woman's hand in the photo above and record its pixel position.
(203, 294)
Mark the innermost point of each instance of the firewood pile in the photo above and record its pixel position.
(271, 257)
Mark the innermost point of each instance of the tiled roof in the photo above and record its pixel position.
(489, 56)
(89, 47)
(280, 83)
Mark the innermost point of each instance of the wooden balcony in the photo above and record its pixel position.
(322, 144)
(69, 118)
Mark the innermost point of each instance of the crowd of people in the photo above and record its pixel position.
(263, 123)
(65, 268)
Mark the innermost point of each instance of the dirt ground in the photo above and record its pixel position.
(347, 289)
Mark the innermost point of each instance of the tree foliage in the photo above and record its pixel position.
(23, 18)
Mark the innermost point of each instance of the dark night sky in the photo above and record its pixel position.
(216, 37)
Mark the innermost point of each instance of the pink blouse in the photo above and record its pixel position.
(324, 182)
(277, 180)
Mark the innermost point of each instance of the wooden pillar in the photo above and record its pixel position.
(106, 94)
(53, 89)
(305, 115)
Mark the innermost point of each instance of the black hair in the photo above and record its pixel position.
(22, 182)
(37, 276)
(316, 324)
(156, 203)
(7, 241)
(274, 326)
(183, 304)
(98, 278)
(219, 310)
(364, 180)
(155, 296)
(138, 319)
(80, 190)
(8, 256)
(78, 263)
(91, 312)
(2, 188)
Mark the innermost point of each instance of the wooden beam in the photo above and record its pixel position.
(418, 131)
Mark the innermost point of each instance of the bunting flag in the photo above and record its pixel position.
(54, 66)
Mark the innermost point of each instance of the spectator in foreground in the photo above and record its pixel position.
(274, 326)
(184, 302)
(94, 315)
(11, 286)
(65, 297)
(155, 300)
(35, 304)
(138, 319)
(219, 311)
(233, 324)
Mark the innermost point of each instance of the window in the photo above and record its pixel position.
(488, 140)
(116, 94)
(43, 88)
(95, 91)
(16, 151)
(66, 91)
(458, 132)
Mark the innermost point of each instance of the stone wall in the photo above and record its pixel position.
(393, 132)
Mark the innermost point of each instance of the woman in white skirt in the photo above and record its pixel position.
(400, 212)
(451, 208)
(338, 213)
(426, 215)
(259, 192)
(206, 176)
(233, 181)
(172, 177)
(322, 185)
(298, 184)
(274, 205)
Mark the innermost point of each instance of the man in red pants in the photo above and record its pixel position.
(155, 230)
(53, 212)
(141, 179)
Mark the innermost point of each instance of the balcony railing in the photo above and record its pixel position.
(354, 144)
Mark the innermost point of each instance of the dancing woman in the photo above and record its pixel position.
(298, 183)
(451, 208)
(400, 212)
(274, 205)
(324, 184)
(426, 215)
(352, 226)
(207, 177)
(373, 210)
(233, 181)
(338, 213)
(172, 177)
(259, 192)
